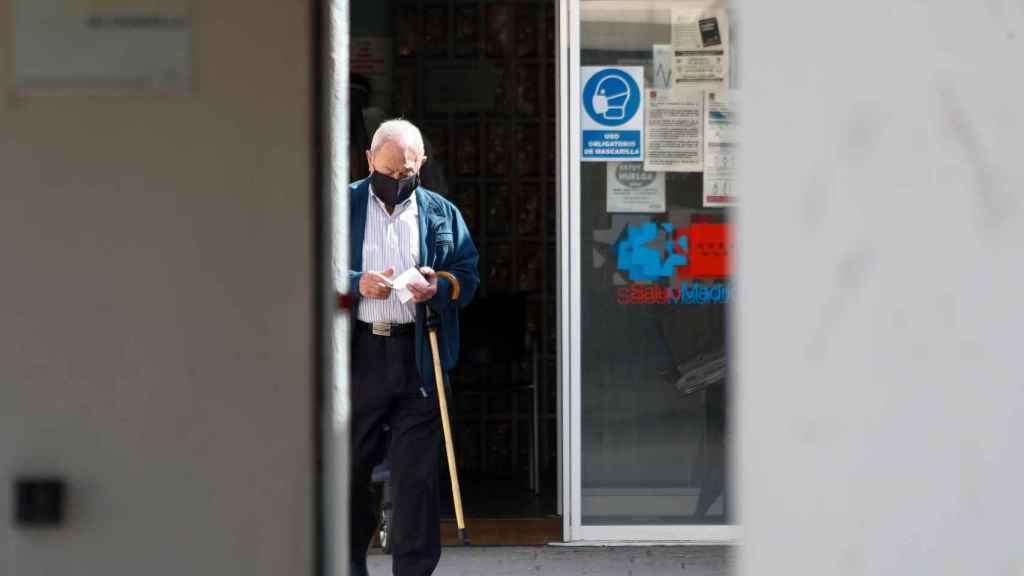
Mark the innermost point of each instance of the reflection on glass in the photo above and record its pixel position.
(653, 338)
(404, 100)
(526, 90)
(550, 88)
(527, 138)
(550, 25)
(534, 317)
(435, 30)
(528, 210)
(466, 198)
(499, 210)
(437, 136)
(501, 261)
(467, 150)
(499, 30)
(526, 31)
(531, 259)
(407, 30)
(501, 103)
(467, 30)
(497, 150)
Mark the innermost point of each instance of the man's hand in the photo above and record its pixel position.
(424, 293)
(376, 285)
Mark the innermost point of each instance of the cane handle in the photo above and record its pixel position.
(456, 288)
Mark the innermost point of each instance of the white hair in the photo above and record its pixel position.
(400, 132)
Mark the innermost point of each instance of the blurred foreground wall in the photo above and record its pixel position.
(879, 317)
(155, 310)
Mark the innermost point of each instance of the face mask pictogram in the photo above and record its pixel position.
(611, 97)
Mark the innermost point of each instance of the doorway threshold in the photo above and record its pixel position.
(640, 543)
(504, 531)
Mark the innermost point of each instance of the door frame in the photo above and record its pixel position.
(570, 310)
(330, 39)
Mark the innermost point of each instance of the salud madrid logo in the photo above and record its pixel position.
(693, 262)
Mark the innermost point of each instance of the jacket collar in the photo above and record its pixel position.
(421, 205)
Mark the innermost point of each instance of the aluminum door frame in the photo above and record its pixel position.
(570, 310)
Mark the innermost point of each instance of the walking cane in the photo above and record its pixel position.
(433, 322)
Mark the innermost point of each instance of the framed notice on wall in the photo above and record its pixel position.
(103, 46)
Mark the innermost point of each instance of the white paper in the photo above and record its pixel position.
(612, 100)
(662, 59)
(410, 277)
(673, 136)
(631, 189)
(720, 146)
(700, 39)
(103, 46)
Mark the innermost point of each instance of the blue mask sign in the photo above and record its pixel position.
(613, 113)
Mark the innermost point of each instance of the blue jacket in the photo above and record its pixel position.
(444, 245)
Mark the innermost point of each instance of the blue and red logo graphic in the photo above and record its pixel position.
(688, 257)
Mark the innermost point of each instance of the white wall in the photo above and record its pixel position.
(155, 311)
(882, 242)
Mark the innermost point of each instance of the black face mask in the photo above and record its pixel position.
(391, 191)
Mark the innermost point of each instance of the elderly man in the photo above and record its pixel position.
(395, 225)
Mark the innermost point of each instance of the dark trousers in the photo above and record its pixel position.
(387, 389)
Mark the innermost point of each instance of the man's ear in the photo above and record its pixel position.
(422, 162)
(369, 160)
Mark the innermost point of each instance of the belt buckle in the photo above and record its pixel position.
(381, 328)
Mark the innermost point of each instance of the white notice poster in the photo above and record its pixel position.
(103, 46)
(720, 149)
(675, 122)
(631, 189)
(662, 58)
(700, 40)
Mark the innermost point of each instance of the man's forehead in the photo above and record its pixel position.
(399, 151)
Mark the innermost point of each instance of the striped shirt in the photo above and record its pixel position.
(390, 240)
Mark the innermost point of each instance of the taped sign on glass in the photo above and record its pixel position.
(631, 189)
(700, 40)
(720, 147)
(675, 125)
(613, 113)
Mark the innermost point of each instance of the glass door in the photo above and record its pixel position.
(647, 287)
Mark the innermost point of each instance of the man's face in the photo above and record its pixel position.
(394, 160)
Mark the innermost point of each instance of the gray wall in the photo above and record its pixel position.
(155, 315)
(881, 242)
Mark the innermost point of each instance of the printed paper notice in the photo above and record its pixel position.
(631, 189)
(662, 58)
(720, 149)
(673, 140)
(700, 40)
(103, 46)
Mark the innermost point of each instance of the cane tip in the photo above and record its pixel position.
(463, 537)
